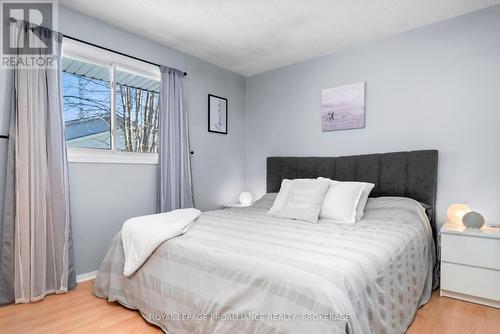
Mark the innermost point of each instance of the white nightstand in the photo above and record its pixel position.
(237, 205)
(470, 264)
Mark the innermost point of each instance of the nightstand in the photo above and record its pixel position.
(236, 205)
(470, 264)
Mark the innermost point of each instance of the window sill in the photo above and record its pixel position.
(109, 157)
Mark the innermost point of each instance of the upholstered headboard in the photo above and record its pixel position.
(410, 174)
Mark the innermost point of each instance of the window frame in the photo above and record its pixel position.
(94, 55)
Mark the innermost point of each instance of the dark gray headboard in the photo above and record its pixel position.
(410, 174)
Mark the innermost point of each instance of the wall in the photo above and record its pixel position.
(434, 87)
(104, 195)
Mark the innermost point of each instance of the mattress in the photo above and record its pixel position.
(242, 271)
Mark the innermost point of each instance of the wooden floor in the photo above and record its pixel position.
(80, 312)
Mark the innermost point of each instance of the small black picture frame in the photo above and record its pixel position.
(217, 114)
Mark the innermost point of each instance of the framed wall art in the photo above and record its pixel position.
(343, 107)
(217, 114)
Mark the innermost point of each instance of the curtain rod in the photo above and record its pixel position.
(11, 19)
(117, 52)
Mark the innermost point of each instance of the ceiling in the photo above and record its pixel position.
(253, 36)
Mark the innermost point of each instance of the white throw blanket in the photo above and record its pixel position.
(142, 235)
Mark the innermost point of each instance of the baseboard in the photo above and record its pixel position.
(86, 276)
(469, 298)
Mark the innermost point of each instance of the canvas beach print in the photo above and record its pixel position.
(217, 114)
(343, 107)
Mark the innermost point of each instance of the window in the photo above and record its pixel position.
(110, 106)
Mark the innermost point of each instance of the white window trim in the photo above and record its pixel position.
(97, 56)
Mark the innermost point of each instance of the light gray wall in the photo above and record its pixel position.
(104, 195)
(434, 87)
(102, 198)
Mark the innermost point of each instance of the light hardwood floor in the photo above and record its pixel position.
(79, 311)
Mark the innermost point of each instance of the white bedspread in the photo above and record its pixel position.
(290, 276)
(142, 235)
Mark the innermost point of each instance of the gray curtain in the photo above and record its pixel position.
(175, 189)
(37, 251)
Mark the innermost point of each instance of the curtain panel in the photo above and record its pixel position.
(37, 250)
(175, 188)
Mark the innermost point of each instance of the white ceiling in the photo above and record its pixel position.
(253, 36)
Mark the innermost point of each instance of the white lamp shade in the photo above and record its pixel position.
(456, 211)
(245, 198)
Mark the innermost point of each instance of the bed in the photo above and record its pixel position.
(242, 271)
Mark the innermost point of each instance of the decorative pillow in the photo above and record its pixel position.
(303, 201)
(342, 201)
(284, 189)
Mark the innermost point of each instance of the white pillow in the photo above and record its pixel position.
(284, 190)
(303, 201)
(345, 201)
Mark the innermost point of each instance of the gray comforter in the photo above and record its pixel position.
(243, 271)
